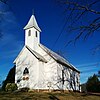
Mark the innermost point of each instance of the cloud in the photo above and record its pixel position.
(87, 70)
(9, 27)
(12, 53)
(86, 64)
(85, 75)
(10, 44)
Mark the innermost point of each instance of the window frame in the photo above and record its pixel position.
(26, 71)
(36, 33)
(29, 33)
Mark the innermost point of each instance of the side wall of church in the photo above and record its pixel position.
(68, 79)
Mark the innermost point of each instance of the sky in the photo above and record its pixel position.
(51, 19)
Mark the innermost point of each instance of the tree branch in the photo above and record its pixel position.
(83, 7)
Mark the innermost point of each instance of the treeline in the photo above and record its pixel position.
(92, 84)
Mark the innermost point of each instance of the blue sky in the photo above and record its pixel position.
(51, 19)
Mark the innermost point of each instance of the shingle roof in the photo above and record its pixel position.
(32, 23)
(58, 58)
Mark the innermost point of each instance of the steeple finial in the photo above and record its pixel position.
(32, 11)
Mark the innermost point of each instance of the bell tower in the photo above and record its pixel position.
(32, 33)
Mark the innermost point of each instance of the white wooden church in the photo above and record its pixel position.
(39, 68)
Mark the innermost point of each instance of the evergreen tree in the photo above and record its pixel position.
(93, 84)
(10, 78)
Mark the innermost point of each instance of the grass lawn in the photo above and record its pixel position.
(46, 96)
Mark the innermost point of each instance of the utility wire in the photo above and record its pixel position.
(89, 70)
(63, 28)
(59, 35)
(84, 66)
(94, 68)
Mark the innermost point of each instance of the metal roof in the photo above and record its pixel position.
(58, 58)
(32, 23)
(37, 55)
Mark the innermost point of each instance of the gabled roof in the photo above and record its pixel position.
(58, 58)
(32, 23)
(37, 55)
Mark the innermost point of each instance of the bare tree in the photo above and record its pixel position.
(83, 17)
(4, 1)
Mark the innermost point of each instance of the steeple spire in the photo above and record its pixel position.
(32, 23)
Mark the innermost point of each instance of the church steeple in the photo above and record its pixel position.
(32, 23)
(32, 33)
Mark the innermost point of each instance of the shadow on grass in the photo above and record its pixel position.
(90, 94)
(52, 97)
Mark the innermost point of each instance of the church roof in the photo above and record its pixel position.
(32, 23)
(58, 58)
(37, 55)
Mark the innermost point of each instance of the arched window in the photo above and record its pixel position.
(36, 33)
(26, 71)
(26, 74)
(29, 33)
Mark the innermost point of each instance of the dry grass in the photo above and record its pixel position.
(46, 96)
